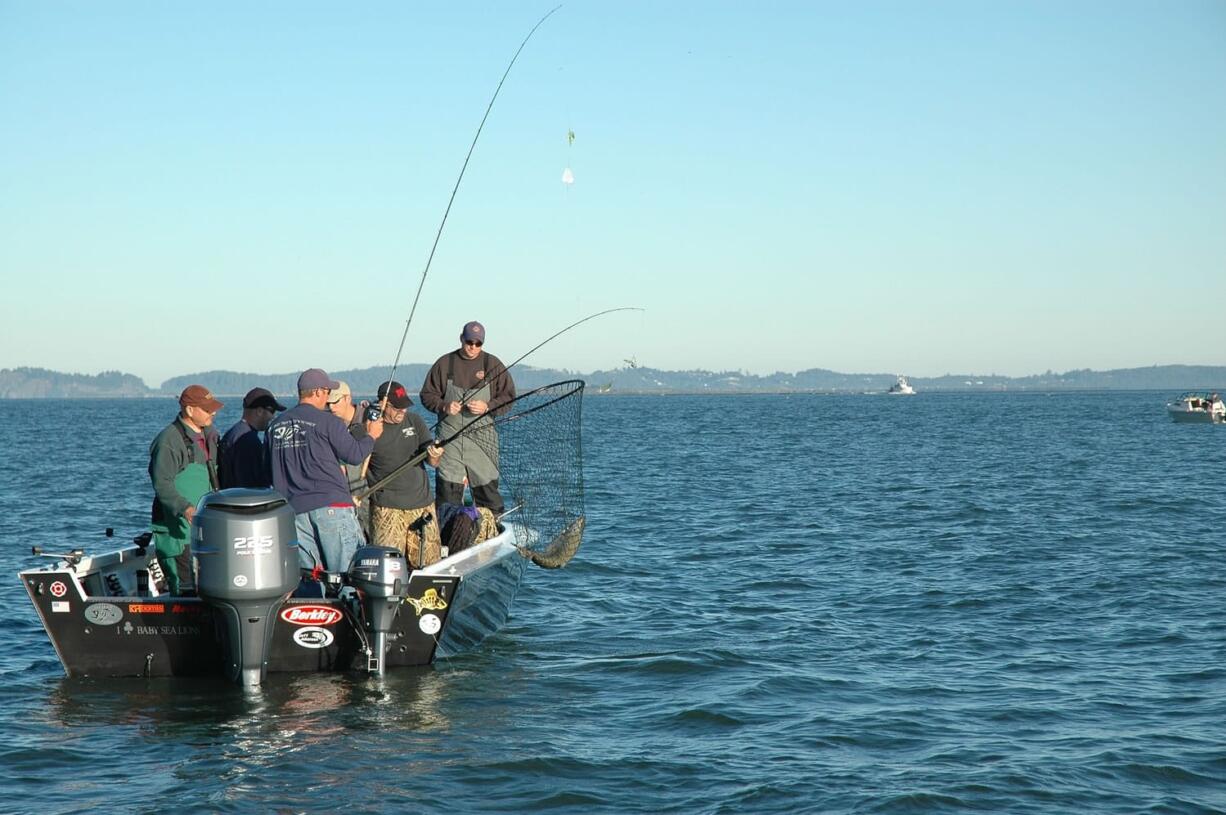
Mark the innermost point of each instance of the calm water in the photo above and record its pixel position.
(946, 603)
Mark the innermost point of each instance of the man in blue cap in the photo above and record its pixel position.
(466, 389)
(307, 446)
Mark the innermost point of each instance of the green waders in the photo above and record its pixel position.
(172, 540)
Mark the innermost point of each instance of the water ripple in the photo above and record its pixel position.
(954, 603)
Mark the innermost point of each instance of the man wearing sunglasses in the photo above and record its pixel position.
(466, 389)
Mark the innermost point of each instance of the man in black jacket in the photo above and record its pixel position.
(243, 452)
(402, 514)
(466, 389)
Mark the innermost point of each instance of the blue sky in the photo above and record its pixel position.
(922, 188)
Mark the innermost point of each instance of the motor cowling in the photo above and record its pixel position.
(380, 574)
(379, 571)
(246, 545)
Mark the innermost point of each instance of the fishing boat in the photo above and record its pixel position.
(901, 388)
(108, 615)
(1197, 406)
(254, 611)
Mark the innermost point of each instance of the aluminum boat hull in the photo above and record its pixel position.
(101, 626)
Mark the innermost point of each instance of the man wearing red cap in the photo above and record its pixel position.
(402, 512)
(183, 468)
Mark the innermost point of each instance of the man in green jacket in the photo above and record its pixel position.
(183, 468)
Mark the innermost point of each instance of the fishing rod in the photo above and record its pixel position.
(437, 235)
(474, 423)
(456, 189)
(506, 369)
(565, 543)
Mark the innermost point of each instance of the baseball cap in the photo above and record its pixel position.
(261, 398)
(473, 332)
(313, 378)
(339, 392)
(201, 397)
(396, 395)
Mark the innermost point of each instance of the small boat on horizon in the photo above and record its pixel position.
(1204, 407)
(901, 388)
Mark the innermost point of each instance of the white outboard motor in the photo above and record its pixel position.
(247, 548)
(381, 576)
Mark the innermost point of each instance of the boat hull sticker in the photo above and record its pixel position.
(103, 613)
(430, 600)
(312, 615)
(313, 637)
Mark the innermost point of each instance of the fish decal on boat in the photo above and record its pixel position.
(429, 600)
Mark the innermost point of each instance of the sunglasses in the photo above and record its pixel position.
(474, 343)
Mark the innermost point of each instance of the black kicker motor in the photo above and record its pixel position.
(246, 546)
(381, 576)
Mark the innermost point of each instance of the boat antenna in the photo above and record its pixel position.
(450, 201)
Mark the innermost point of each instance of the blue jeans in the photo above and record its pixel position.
(328, 537)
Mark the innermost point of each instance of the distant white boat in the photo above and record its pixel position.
(1197, 406)
(901, 388)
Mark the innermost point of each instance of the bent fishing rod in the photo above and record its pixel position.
(420, 457)
(475, 423)
(447, 211)
(421, 284)
(464, 399)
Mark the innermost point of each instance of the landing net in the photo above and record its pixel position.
(537, 445)
(535, 442)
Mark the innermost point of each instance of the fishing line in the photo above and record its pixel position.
(439, 234)
(469, 392)
(421, 284)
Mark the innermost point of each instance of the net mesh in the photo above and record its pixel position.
(537, 444)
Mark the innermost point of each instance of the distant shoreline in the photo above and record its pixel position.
(39, 383)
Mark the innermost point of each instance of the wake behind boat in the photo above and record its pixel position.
(110, 614)
(1197, 406)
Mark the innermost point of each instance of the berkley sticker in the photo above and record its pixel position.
(103, 613)
(312, 615)
(313, 637)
